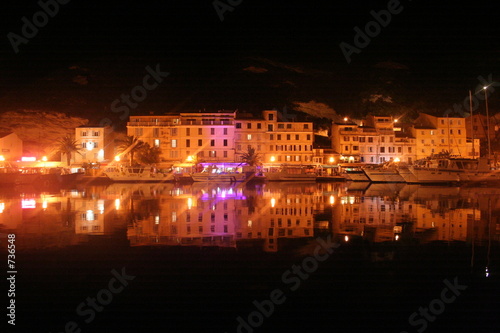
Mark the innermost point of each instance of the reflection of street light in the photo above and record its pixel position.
(331, 160)
(189, 158)
(485, 88)
(44, 158)
(346, 119)
(2, 158)
(272, 159)
(397, 159)
(117, 158)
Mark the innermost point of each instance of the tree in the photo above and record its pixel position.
(130, 145)
(250, 157)
(148, 154)
(68, 146)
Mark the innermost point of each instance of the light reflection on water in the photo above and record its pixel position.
(263, 216)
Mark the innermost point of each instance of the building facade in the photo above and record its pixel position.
(96, 143)
(223, 137)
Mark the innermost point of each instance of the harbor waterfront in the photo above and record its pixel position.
(204, 254)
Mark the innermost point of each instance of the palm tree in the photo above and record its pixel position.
(68, 146)
(130, 145)
(250, 157)
(148, 154)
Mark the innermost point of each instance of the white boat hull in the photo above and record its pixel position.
(429, 176)
(384, 175)
(218, 177)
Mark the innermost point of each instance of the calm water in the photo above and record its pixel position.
(346, 257)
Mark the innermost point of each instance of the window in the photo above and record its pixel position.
(306, 126)
(212, 143)
(409, 150)
(225, 153)
(400, 150)
(362, 139)
(278, 137)
(200, 131)
(96, 133)
(138, 131)
(346, 138)
(238, 125)
(271, 136)
(249, 137)
(270, 127)
(188, 131)
(238, 147)
(84, 145)
(308, 137)
(174, 143)
(382, 149)
(157, 143)
(249, 125)
(225, 144)
(289, 126)
(296, 137)
(355, 148)
(432, 132)
(281, 126)
(225, 131)
(382, 139)
(370, 139)
(288, 136)
(259, 126)
(200, 142)
(212, 131)
(459, 132)
(270, 117)
(212, 153)
(84, 133)
(173, 131)
(346, 148)
(370, 150)
(188, 143)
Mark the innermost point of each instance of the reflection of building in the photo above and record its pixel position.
(97, 144)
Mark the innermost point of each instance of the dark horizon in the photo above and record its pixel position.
(431, 55)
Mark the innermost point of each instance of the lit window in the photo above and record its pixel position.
(249, 136)
(174, 143)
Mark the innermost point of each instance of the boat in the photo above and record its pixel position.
(231, 177)
(434, 170)
(353, 172)
(142, 173)
(213, 174)
(385, 173)
(8, 173)
(292, 173)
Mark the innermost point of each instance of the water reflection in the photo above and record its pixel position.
(264, 217)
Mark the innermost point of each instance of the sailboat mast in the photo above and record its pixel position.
(472, 125)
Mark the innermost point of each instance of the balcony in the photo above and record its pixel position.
(150, 123)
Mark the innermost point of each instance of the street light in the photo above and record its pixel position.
(485, 88)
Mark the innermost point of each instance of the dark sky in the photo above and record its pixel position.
(446, 45)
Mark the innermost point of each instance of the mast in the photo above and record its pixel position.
(472, 125)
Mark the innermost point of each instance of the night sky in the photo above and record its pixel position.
(91, 52)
